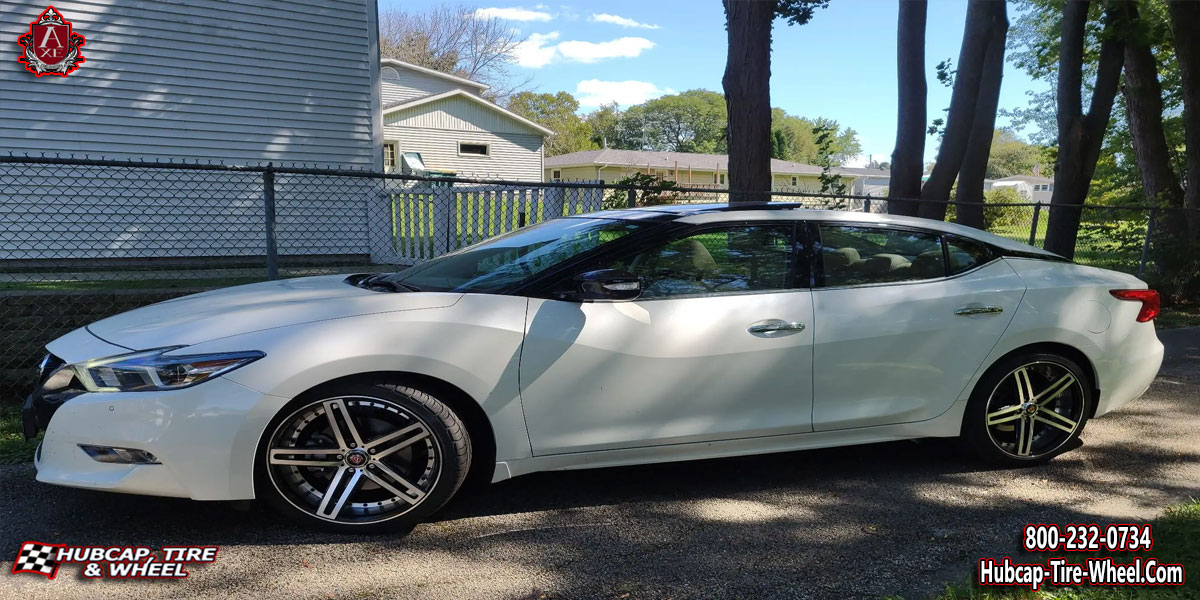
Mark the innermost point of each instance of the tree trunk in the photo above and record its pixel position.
(1144, 108)
(747, 84)
(1185, 17)
(1080, 136)
(908, 157)
(969, 199)
(936, 191)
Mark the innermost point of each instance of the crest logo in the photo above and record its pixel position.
(50, 46)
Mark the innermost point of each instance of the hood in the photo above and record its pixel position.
(231, 311)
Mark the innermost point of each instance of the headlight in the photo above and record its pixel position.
(152, 370)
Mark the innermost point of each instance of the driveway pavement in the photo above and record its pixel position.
(898, 518)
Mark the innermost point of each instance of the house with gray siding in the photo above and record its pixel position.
(455, 129)
(238, 82)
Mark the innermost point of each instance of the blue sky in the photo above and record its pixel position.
(842, 65)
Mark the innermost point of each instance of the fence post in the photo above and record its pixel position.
(1037, 210)
(1146, 244)
(631, 198)
(269, 218)
(866, 205)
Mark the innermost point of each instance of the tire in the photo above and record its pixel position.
(411, 455)
(1027, 409)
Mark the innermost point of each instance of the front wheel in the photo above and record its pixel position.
(364, 458)
(1028, 409)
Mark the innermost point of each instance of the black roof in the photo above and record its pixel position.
(668, 212)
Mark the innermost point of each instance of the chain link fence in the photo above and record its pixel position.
(83, 239)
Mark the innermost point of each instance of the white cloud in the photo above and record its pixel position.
(590, 52)
(514, 14)
(539, 51)
(594, 92)
(534, 52)
(619, 20)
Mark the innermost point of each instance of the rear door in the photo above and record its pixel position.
(903, 322)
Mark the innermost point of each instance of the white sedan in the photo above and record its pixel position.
(672, 333)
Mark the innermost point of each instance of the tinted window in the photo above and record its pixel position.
(863, 255)
(503, 261)
(966, 254)
(715, 261)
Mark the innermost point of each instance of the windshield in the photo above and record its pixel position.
(501, 262)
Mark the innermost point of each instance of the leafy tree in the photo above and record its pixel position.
(556, 112)
(1080, 134)
(746, 83)
(692, 121)
(825, 135)
(905, 178)
(978, 71)
(605, 123)
(800, 143)
(1010, 156)
(1184, 16)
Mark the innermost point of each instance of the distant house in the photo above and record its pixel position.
(1030, 187)
(694, 170)
(446, 120)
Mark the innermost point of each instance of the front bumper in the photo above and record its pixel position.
(205, 438)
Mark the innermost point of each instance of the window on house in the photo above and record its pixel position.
(722, 176)
(556, 175)
(794, 180)
(389, 156)
(473, 149)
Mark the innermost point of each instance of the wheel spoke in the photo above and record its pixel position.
(1024, 385)
(324, 509)
(1039, 418)
(1057, 417)
(412, 496)
(277, 457)
(345, 431)
(1025, 438)
(415, 433)
(1004, 415)
(1055, 390)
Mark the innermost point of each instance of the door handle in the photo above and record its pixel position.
(978, 310)
(773, 325)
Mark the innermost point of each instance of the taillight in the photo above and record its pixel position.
(1148, 298)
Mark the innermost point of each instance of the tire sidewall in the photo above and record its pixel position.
(975, 430)
(453, 470)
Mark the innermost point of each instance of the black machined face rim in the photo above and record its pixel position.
(354, 460)
(1035, 409)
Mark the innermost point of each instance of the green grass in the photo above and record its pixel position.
(1176, 541)
(14, 450)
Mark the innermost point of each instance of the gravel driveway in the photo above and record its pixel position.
(897, 518)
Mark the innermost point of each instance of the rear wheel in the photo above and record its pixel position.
(364, 458)
(1028, 409)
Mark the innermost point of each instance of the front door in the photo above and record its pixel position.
(718, 347)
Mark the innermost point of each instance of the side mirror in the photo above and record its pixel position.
(609, 284)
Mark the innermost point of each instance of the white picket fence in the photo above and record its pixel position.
(423, 222)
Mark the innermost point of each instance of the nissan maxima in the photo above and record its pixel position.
(363, 403)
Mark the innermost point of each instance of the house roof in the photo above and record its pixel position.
(1028, 178)
(466, 96)
(391, 62)
(668, 160)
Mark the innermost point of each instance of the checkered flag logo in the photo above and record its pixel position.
(36, 557)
